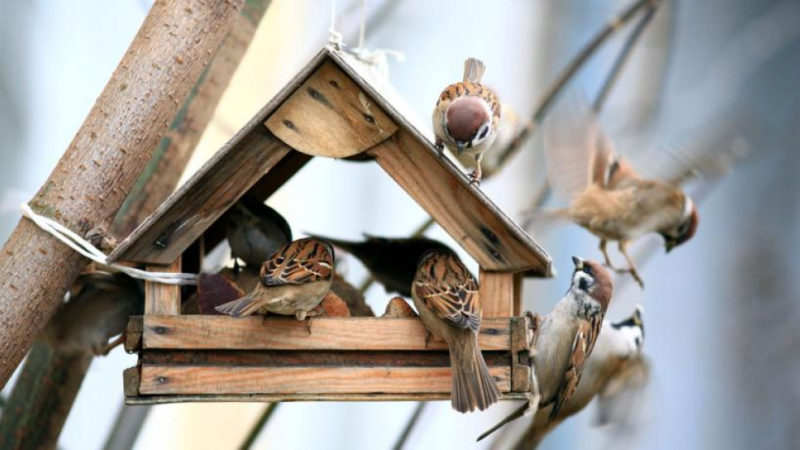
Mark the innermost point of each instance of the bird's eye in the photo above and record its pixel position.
(583, 284)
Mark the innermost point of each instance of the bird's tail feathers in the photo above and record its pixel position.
(238, 308)
(473, 70)
(473, 386)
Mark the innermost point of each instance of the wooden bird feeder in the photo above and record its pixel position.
(330, 109)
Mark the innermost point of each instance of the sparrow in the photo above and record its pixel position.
(293, 281)
(392, 261)
(608, 197)
(466, 116)
(254, 231)
(446, 295)
(98, 311)
(617, 354)
(565, 339)
(507, 129)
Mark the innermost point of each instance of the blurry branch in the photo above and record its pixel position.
(126, 427)
(569, 72)
(622, 58)
(412, 422)
(259, 425)
(41, 399)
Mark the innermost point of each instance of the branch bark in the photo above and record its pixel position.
(48, 381)
(100, 166)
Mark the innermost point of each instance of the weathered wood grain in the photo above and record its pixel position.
(329, 115)
(136, 399)
(133, 334)
(302, 380)
(160, 298)
(202, 200)
(351, 333)
(520, 358)
(496, 293)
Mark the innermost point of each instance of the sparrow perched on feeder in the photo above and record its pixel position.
(392, 261)
(97, 312)
(446, 296)
(606, 374)
(466, 116)
(607, 196)
(293, 281)
(254, 231)
(507, 129)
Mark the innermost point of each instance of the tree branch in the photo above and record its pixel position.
(108, 153)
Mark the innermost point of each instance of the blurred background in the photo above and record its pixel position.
(721, 312)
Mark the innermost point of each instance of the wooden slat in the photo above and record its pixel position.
(329, 115)
(351, 333)
(520, 358)
(497, 293)
(249, 154)
(160, 298)
(200, 202)
(262, 190)
(133, 334)
(518, 280)
(130, 381)
(135, 399)
(463, 211)
(291, 380)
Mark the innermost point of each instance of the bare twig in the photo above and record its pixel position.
(127, 426)
(623, 56)
(259, 425)
(558, 85)
(412, 422)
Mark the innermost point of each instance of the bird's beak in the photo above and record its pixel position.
(578, 263)
(460, 146)
(669, 245)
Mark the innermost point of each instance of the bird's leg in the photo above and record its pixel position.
(428, 336)
(439, 146)
(623, 248)
(104, 349)
(475, 176)
(605, 254)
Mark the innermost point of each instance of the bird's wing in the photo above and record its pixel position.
(579, 154)
(299, 262)
(582, 346)
(709, 152)
(622, 400)
(447, 287)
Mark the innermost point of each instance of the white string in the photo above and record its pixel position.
(85, 248)
(335, 38)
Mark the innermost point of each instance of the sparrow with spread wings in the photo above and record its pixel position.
(446, 295)
(607, 196)
(293, 281)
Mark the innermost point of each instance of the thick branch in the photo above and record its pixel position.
(21, 425)
(106, 156)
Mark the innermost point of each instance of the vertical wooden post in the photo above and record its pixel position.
(518, 294)
(497, 293)
(163, 299)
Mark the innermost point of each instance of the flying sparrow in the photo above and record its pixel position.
(617, 353)
(254, 231)
(466, 116)
(607, 196)
(446, 295)
(293, 281)
(97, 312)
(392, 261)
